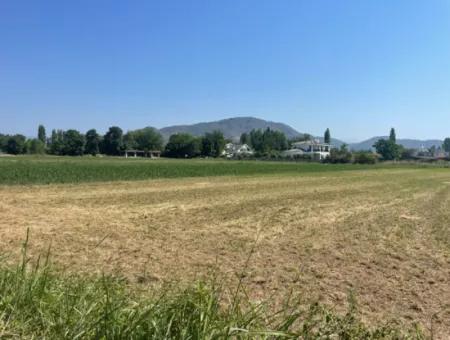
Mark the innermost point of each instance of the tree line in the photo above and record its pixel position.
(265, 143)
(113, 143)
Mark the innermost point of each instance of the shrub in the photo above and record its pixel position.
(365, 158)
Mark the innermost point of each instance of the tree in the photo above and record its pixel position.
(268, 141)
(212, 144)
(182, 145)
(388, 149)
(3, 142)
(92, 142)
(245, 138)
(392, 136)
(113, 141)
(56, 142)
(147, 139)
(446, 145)
(341, 155)
(15, 145)
(73, 143)
(35, 147)
(327, 137)
(42, 136)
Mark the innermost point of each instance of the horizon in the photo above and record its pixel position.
(356, 68)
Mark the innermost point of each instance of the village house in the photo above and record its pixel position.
(232, 150)
(312, 148)
(141, 153)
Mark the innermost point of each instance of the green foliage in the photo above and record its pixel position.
(147, 139)
(113, 141)
(341, 155)
(92, 142)
(407, 154)
(35, 147)
(38, 302)
(327, 136)
(15, 145)
(182, 145)
(245, 139)
(42, 136)
(388, 149)
(267, 141)
(3, 142)
(212, 144)
(364, 157)
(446, 145)
(392, 136)
(73, 143)
(46, 170)
(57, 142)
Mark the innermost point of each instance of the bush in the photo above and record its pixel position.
(365, 158)
(341, 156)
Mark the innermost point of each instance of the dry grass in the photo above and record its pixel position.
(382, 235)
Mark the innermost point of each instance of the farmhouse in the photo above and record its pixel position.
(142, 153)
(312, 148)
(232, 150)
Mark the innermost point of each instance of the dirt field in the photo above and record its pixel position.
(383, 235)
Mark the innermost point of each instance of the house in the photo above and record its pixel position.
(232, 150)
(142, 153)
(312, 148)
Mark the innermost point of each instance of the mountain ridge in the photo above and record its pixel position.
(232, 128)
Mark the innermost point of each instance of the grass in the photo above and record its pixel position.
(37, 301)
(48, 170)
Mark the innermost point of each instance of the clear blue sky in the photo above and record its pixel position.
(357, 66)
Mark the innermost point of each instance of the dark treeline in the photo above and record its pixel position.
(266, 144)
(113, 143)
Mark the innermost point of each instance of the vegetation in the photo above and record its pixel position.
(265, 141)
(327, 136)
(92, 143)
(393, 136)
(341, 155)
(212, 144)
(446, 145)
(147, 139)
(15, 145)
(39, 302)
(388, 149)
(42, 135)
(112, 143)
(365, 157)
(183, 145)
(45, 170)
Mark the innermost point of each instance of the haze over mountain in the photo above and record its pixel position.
(407, 143)
(232, 127)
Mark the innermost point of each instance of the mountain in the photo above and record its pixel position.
(232, 127)
(407, 143)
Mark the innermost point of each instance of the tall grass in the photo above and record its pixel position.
(39, 302)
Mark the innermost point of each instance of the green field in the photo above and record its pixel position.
(48, 170)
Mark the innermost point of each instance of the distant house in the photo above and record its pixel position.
(312, 148)
(142, 153)
(232, 150)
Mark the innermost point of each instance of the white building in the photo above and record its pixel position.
(313, 148)
(232, 150)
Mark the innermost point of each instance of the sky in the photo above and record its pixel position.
(358, 67)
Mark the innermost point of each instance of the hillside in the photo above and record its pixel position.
(232, 127)
(407, 143)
